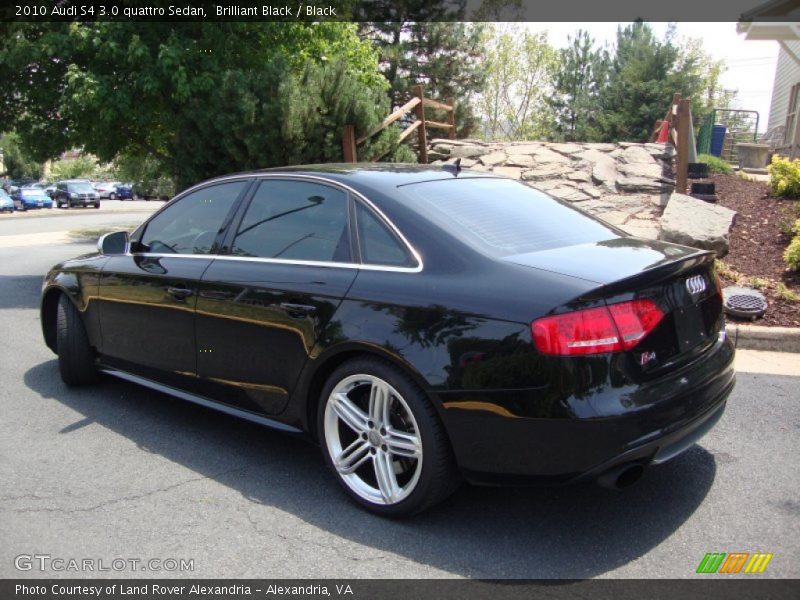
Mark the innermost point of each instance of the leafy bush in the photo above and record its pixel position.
(784, 293)
(785, 177)
(789, 215)
(791, 256)
(726, 272)
(715, 164)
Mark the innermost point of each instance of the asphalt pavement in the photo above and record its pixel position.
(116, 471)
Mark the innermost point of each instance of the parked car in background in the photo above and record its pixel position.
(12, 185)
(50, 190)
(76, 192)
(107, 189)
(26, 198)
(421, 324)
(125, 192)
(6, 203)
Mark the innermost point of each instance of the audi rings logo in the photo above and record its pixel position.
(696, 285)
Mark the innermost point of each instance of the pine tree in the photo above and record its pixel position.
(577, 84)
(446, 58)
(637, 92)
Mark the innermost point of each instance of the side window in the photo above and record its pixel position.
(191, 225)
(295, 220)
(379, 246)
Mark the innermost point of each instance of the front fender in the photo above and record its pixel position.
(78, 280)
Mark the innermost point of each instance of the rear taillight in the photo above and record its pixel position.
(612, 328)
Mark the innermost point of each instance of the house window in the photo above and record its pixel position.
(790, 133)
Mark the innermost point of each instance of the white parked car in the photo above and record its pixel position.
(107, 189)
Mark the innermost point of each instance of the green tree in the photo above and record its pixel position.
(199, 98)
(82, 166)
(520, 69)
(578, 81)
(17, 163)
(643, 74)
(447, 58)
(638, 91)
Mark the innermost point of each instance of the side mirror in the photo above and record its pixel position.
(116, 242)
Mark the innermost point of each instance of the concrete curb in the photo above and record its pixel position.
(776, 339)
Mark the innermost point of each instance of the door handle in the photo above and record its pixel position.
(179, 293)
(297, 311)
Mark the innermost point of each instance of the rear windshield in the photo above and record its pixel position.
(503, 217)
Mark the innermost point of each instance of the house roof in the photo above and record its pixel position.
(773, 20)
(773, 9)
(777, 20)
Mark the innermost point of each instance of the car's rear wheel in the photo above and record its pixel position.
(383, 440)
(112, 196)
(75, 355)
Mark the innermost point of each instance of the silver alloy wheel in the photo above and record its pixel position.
(373, 439)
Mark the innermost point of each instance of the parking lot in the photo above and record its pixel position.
(118, 471)
(115, 206)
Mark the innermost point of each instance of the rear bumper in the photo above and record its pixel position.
(645, 424)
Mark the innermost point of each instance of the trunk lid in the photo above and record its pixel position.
(679, 279)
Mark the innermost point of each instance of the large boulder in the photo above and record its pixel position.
(513, 172)
(493, 158)
(604, 174)
(696, 223)
(636, 154)
(465, 151)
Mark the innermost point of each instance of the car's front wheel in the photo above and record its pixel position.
(75, 355)
(383, 440)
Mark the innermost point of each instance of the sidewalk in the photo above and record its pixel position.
(769, 363)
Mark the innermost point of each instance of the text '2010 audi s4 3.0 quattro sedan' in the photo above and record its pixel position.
(423, 325)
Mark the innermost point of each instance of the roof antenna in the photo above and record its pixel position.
(454, 167)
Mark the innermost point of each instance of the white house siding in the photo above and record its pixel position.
(787, 74)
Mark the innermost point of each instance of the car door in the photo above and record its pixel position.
(148, 296)
(263, 307)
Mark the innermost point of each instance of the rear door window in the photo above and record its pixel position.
(379, 246)
(295, 220)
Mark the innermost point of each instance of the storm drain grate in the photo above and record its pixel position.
(743, 302)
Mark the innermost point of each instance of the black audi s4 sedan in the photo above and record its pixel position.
(423, 324)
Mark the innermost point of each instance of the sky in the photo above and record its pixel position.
(750, 64)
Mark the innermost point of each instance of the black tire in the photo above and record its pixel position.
(75, 355)
(112, 196)
(439, 476)
(97, 205)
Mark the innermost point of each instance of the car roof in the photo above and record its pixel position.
(381, 176)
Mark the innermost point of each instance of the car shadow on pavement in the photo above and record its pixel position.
(575, 531)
